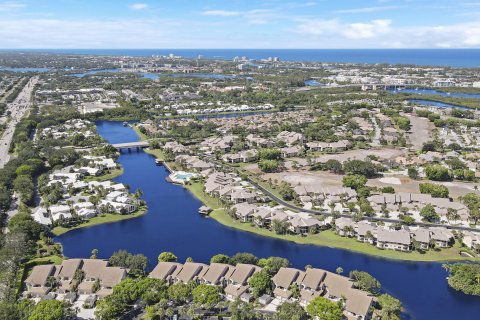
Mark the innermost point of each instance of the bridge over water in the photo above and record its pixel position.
(131, 145)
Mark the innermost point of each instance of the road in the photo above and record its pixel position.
(293, 207)
(18, 108)
(315, 212)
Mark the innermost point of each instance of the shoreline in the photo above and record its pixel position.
(325, 238)
(328, 238)
(100, 219)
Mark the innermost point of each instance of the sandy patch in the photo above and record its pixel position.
(390, 180)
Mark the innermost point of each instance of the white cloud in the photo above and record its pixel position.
(363, 30)
(221, 13)
(138, 6)
(11, 5)
(367, 30)
(368, 9)
(255, 16)
(383, 34)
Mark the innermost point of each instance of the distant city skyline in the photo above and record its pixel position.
(266, 24)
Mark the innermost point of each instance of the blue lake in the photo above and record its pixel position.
(437, 93)
(313, 83)
(437, 104)
(173, 224)
(92, 72)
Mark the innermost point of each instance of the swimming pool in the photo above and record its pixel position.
(181, 176)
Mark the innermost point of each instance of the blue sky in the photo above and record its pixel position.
(240, 24)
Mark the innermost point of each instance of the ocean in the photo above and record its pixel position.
(458, 58)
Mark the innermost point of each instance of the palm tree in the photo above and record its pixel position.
(94, 254)
(446, 267)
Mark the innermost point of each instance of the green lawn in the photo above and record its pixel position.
(197, 189)
(46, 260)
(141, 135)
(105, 218)
(109, 176)
(329, 239)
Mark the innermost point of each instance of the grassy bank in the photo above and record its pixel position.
(104, 218)
(109, 176)
(329, 239)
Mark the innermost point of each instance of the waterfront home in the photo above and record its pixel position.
(393, 239)
(117, 207)
(312, 286)
(217, 274)
(237, 282)
(98, 271)
(37, 283)
(441, 237)
(422, 238)
(191, 271)
(85, 209)
(283, 280)
(358, 304)
(320, 283)
(166, 271)
(345, 227)
(262, 216)
(114, 195)
(65, 274)
(301, 225)
(93, 270)
(366, 232)
(244, 211)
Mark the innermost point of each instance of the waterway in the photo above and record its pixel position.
(437, 93)
(173, 224)
(437, 104)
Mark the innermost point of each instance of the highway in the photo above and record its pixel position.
(18, 108)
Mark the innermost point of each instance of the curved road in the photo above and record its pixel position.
(293, 207)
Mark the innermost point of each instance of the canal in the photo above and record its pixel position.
(173, 224)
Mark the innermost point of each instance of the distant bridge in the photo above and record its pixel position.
(131, 145)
